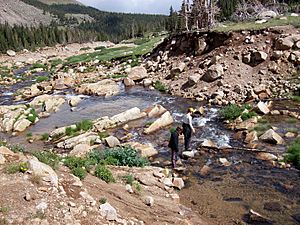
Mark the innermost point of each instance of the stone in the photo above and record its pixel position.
(213, 73)
(261, 21)
(297, 44)
(88, 198)
(147, 82)
(271, 136)
(178, 183)
(267, 14)
(112, 141)
(266, 156)
(129, 188)
(204, 170)
(167, 181)
(200, 46)
(284, 44)
(46, 172)
(263, 108)
(273, 206)
(11, 53)
(188, 154)
(128, 82)
(21, 125)
(42, 206)
(85, 138)
(247, 124)
(165, 120)
(208, 144)
(145, 150)
(277, 55)
(251, 137)
(294, 14)
(137, 73)
(2, 159)
(258, 56)
(104, 87)
(175, 197)
(155, 111)
(256, 218)
(178, 69)
(149, 201)
(108, 212)
(224, 162)
(80, 150)
(6, 151)
(74, 101)
(27, 197)
(193, 79)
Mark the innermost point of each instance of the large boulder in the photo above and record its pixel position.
(112, 141)
(74, 101)
(137, 73)
(266, 156)
(46, 172)
(128, 82)
(21, 125)
(108, 212)
(287, 42)
(80, 150)
(165, 120)
(267, 14)
(193, 79)
(105, 87)
(129, 115)
(271, 136)
(155, 111)
(262, 108)
(213, 73)
(146, 150)
(48, 102)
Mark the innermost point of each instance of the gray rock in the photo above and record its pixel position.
(137, 73)
(80, 150)
(112, 141)
(11, 53)
(267, 14)
(213, 73)
(149, 201)
(266, 156)
(2, 159)
(178, 183)
(192, 80)
(165, 120)
(128, 82)
(271, 136)
(21, 125)
(42, 206)
(108, 212)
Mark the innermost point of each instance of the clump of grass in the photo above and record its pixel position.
(99, 48)
(292, 130)
(116, 76)
(296, 99)
(56, 62)
(84, 49)
(137, 186)
(32, 115)
(129, 178)
(40, 79)
(38, 65)
(71, 131)
(292, 120)
(293, 153)
(84, 125)
(48, 158)
(17, 167)
(102, 200)
(141, 41)
(45, 137)
(16, 148)
(79, 172)
(104, 174)
(233, 111)
(103, 135)
(160, 86)
(120, 156)
(4, 209)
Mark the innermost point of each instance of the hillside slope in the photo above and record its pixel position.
(18, 12)
(49, 2)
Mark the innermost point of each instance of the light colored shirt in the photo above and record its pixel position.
(187, 119)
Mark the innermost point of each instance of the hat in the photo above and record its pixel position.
(192, 110)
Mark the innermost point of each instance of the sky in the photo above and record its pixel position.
(134, 6)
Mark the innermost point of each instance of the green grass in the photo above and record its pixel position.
(79, 172)
(120, 156)
(102, 200)
(292, 130)
(32, 115)
(137, 186)
(56, 62)
(99, 48)
(109, 54)
(83, 125)
(12, 168)
(296, 99)
(116, 76)
(40, 79)
(293, 153)
(104, 174)
(38, 65)
(261, 128)
(233, 111)
(129, 178)
(160, 86)
(4, 209)
(291, 120)
(84, 49)
(103, 135)
(48, 158)
(45, 137)
(140, 41)
(253, 26)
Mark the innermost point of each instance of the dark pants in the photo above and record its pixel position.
(187, 133)
(174, 157)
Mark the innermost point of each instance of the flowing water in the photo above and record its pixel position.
(223, 195)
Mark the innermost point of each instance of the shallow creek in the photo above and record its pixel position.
(225, 194)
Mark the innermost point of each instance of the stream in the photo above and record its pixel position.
(224, 194)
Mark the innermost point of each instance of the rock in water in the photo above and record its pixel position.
(165, 120)
(11, 53)
(137, 73)
(263, 108)
(112, 141)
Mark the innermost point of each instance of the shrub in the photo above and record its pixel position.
(84, 125)
(293, 153)
(32, 115)
(70, 131)
(29, 135)
(38, 65)
(99, 48)
(160, 86)
(233, 111)
(102, 200)
(103, 135)
(12, 168)
(104, 174)
(129, 178)
(45, 137)
(123, 156)
(75, 162)
(16, 148)
(48, 158)
(296, 98)
(137, 186)
(23, 167)
(40, 79)
(79, 172)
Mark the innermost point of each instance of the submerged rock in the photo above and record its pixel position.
(105, 88)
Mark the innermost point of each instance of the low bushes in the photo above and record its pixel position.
(293, 153)
(233, 111)
(104, 174)
(48, 158)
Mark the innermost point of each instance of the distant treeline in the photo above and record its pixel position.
(20, 37)
(116, 26)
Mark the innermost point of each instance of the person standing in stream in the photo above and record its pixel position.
(187, 125)
(174, 145)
